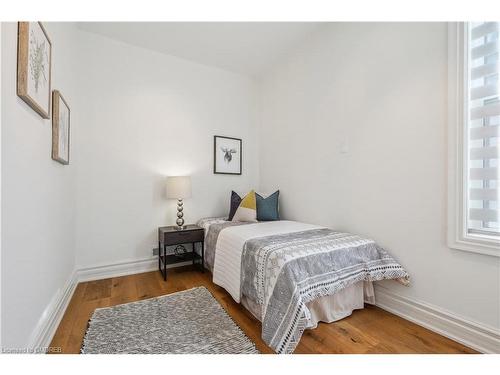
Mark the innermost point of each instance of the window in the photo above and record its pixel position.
(474, 116)
(483, 124)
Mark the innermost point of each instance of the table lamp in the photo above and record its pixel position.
(179, 187)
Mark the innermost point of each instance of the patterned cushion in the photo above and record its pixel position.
(247, 210)
(235, 202)
(267, 208)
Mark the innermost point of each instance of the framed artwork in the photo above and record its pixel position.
(60, 128)
(34, 59)
(227, 155)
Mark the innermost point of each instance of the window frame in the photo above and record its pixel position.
(458, 235)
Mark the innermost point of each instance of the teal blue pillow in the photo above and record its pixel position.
(267, 208)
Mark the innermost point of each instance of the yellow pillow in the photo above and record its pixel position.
(247, 210)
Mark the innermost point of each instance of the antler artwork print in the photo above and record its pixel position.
(38, 57)
(228, 154)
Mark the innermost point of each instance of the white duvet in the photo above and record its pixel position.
(229, 249)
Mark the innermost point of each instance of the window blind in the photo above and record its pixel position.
(483, 128)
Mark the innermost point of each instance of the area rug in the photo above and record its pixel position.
(187, 322)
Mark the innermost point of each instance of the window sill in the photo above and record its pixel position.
(476, 244)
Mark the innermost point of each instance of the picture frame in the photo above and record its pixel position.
(61, 116)
(34, 67)
(228, 155)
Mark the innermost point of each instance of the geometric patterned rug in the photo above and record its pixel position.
(187, 322)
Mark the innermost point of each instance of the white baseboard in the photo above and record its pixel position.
(472, 334)
(128, 267)
(52, 316)
(105, 271)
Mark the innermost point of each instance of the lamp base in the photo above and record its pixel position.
(180, 215)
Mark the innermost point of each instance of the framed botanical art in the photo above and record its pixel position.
(60, 128)
(227, 155)
(34, 55)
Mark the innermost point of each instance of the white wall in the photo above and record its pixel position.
(380, 89)
(38, 195)
(145, 116)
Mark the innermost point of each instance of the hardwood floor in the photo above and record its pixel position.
(371, 330)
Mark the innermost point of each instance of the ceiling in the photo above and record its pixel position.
(243, 47)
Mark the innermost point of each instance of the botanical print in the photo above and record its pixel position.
(227, 155)
(38, 65)
(60, 128)
(38, 61)
(63, 131)
(34, 67)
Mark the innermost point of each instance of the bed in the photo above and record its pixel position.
(292, 275)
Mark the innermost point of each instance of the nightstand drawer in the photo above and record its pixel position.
(174, 238)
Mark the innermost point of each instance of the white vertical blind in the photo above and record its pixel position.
(483, 124)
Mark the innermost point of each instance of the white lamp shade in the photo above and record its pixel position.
(178, 187)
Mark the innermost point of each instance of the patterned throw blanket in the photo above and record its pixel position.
(284, 272)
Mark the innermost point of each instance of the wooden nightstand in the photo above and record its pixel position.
(171, 236)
